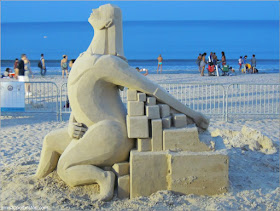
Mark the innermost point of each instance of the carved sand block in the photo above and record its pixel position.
(166, 122)
(156, 135)
(179, 120)
(141, 97)
(132, 95)
(183, 139)
(123, 187)
(137, 126)
(135, 108)
(121, 169)
(151, 101)
(148, 172)
(152, 112)
(144, 144)
(201, 173)
(164, 110)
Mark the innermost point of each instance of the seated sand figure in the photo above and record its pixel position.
(97, 133)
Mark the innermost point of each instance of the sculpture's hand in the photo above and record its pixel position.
(201, 121)
(79, 129)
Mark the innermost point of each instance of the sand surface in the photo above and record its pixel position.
(253, 167)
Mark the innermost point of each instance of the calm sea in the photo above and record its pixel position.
(179, 42)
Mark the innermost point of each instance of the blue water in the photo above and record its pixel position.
(179, 42)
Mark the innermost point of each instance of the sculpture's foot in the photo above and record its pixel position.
(106, 188)
(86, 175)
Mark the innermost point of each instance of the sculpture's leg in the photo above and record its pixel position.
(104, 144)
(53, 146)
(89, 174)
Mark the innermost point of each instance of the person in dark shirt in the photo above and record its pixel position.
(20, 69)
(15, 64)
(43, 65)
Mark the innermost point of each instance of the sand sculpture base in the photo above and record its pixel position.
(168, 155)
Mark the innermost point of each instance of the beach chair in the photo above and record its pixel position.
(225, 70)
(211, 70)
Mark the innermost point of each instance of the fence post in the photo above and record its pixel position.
(226, 110)
(60, 103)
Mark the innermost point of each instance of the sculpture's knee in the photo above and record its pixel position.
(61, 171)
(48, 142)
(56, 140)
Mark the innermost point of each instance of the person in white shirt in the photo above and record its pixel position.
(142, 70)
(240, 63)
(210, 58)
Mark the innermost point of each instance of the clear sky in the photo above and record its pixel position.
(58, 11)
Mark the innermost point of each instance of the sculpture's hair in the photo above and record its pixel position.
(114, 11)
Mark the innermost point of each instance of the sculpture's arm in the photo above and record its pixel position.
(118, 72)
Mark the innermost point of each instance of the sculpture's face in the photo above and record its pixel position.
(98, 18)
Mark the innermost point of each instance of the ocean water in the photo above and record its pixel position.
(179, 42)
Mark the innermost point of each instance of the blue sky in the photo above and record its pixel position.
(59, 11)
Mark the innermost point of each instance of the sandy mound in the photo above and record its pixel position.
(246, 139)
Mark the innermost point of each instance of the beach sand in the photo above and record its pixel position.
(253, 173)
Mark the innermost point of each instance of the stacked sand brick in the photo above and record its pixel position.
(169, 154)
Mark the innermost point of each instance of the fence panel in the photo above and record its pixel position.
(64, 106)
(208, 99)
(214, 99)
(252, 99)
(41, 97)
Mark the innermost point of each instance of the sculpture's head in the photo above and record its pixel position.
(105, 16)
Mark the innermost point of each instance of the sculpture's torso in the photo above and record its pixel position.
(91, 97)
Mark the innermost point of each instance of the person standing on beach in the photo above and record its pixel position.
(254, 63)
(20, 69)
(15, 64)
(215, 59)
(224, 60)
(43, 65)
(210, 58)
(198, 60)
(71, 62)
(64, 66)
(159, 63)
(240, 63)
(244, 62)
(202, 64)
(27, 71)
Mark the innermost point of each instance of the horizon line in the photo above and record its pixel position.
(141, 59)
(131, 21)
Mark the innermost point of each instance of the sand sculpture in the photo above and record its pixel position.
(98, 142)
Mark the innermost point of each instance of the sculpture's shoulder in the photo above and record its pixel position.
(110, 60)
(82, 65)
(96, 63)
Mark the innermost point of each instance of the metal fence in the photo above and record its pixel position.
(205, 98)
(41, 97)
(252, 99)
(64, 103)
(222, 101)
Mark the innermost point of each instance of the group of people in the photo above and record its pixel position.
(212, 59)
(64, 66)
(248, 68)
(22, 69)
